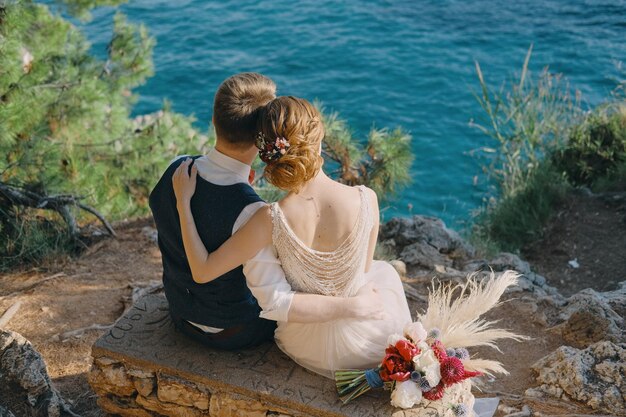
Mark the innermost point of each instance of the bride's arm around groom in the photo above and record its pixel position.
(252, 245)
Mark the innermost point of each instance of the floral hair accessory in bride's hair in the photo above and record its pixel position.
(271, 149)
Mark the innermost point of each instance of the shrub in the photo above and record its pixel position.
(545, 145)
(614, 181)
(528, 120)
(27, 237)
(596, 148)
(518, 218)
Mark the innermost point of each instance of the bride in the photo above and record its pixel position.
(323, 233)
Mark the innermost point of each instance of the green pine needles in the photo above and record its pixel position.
(65, 125)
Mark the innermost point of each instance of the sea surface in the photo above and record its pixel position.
(381, 63)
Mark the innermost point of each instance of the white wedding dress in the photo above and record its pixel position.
(350, 343)
(344, 343)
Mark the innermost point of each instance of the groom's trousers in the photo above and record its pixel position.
(242, 336)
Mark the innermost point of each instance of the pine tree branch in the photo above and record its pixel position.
(330, 154)
(58, 203)
(100, 217)
(62, 86)
(9, 166)
(128, 133)
(69, 219)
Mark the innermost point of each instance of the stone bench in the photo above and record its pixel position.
(143, 367)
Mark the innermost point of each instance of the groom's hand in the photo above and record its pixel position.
(183, 182)
(367, 304)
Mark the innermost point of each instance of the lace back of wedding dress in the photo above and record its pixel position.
(327, 273)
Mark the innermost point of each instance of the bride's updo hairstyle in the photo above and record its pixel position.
(289, 139)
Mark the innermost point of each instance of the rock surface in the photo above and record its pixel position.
(595, 375)
(424, 241)
(589, 317)
(426, 244)
(25, 378)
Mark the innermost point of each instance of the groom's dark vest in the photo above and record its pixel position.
(226, 301)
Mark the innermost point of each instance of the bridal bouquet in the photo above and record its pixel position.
(415, 366)
(421, 365)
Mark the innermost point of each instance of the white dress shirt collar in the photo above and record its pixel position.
(222, 169)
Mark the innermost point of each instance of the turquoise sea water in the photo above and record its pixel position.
(383, 63)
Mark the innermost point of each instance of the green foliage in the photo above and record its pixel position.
(518, 218)
(546, 145)
(26, 238)
(65, 121)
(65, 124)
(596, 148)
(383, 163)
(388, 162)
(528, 119)
(130, 54)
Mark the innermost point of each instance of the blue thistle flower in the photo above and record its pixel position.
(450, 352)
(460, 410)
(462, 353)
(424, 385)
(434, 333)
(416, 376)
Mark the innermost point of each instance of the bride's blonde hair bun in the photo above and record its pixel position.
(300, 124)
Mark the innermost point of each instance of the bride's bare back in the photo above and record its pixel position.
(323, 215)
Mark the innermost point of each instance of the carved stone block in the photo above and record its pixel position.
(224, 405)
(144, 386)
(112, 379)
(254, 382)
(173, 390)
(153, 403)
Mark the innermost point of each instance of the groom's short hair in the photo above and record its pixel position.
(236, 107)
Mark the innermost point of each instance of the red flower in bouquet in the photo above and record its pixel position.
(440, 350)
(407, 349)
(394, 367)
(453, 371)
(397, 364)
(435, 393)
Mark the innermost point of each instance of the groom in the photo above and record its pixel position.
(225, 312)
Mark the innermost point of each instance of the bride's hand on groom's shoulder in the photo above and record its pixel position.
(367, 304)
(184, 182)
